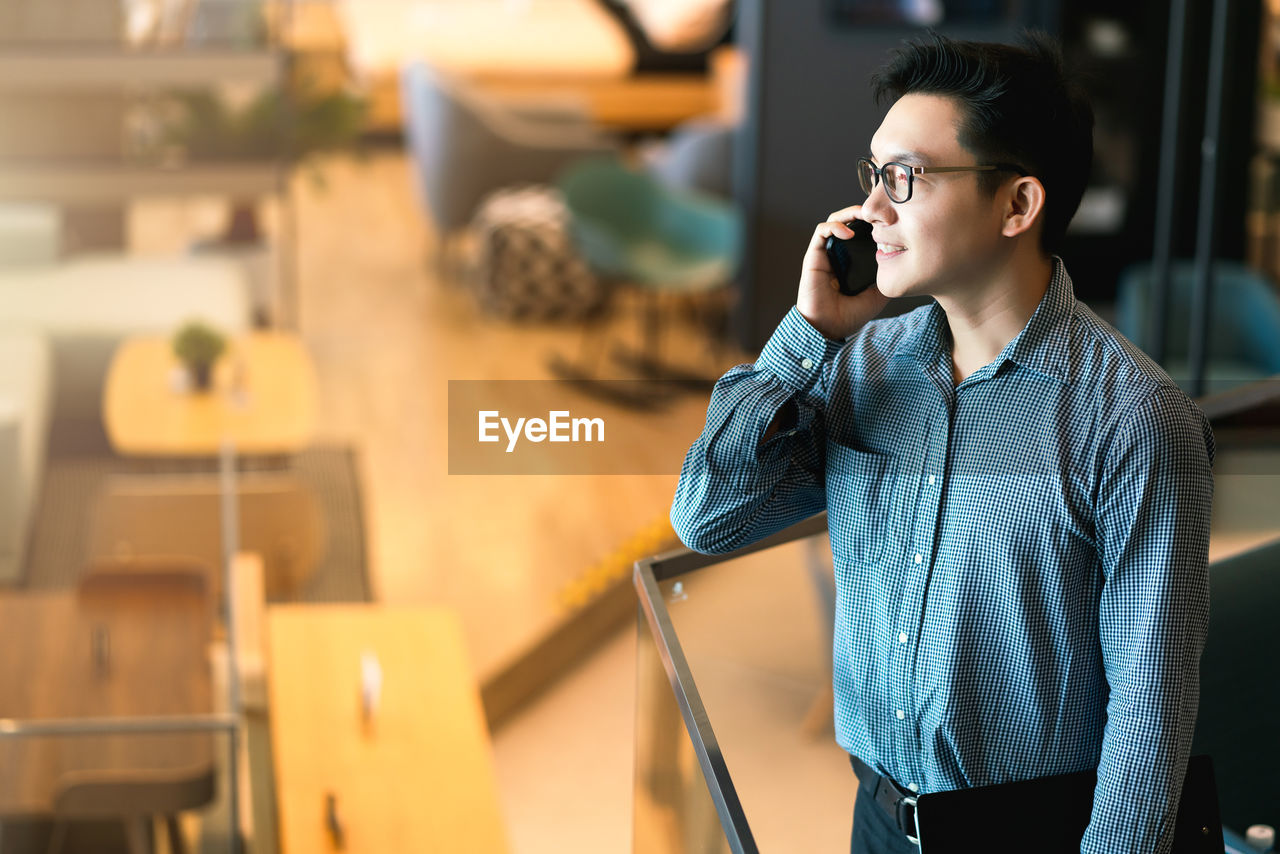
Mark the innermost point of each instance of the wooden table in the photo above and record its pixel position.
(597, 74)
(263, 399)
(52, 667)
(417, 776)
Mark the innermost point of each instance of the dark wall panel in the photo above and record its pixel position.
(812, 115)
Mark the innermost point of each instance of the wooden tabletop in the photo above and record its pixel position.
(418, 775)
(113, 652)
(263, 399)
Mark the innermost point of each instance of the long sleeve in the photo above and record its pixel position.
(733, 490)
(1153, 527)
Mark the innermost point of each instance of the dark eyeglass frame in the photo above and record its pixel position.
(913, 171)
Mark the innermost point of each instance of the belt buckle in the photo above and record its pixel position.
(900, 808)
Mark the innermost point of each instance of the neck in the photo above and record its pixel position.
(985, 318)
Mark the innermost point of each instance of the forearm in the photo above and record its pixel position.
(742, 479)
(757, 466)
(1144, 761)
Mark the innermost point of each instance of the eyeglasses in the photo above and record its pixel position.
(899, 178)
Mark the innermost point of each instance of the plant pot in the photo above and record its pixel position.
(201, 377)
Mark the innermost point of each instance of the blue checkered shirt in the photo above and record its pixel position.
(1020, 559)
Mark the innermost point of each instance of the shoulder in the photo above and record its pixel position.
(1137, 399)
(887, 335)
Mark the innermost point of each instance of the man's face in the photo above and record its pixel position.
(946, 238)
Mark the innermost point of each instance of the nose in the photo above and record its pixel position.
(877, 208)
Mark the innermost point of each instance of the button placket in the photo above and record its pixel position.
(911, 604)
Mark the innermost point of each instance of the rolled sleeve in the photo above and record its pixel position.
(734, 489)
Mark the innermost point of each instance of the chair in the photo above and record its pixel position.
(111, 575)
(141, 517)
(1240, 686)
(464, 146)
(134, 798)
(663, 242)
(696, 155)
(1244, 333)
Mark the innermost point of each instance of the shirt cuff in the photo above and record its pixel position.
(796, 352)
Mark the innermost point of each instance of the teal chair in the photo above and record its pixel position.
(1240, 686)
(1244, 333)
(668, 244)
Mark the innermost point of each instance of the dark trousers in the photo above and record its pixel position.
(873, 831)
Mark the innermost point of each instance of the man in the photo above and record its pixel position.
(1018, 497)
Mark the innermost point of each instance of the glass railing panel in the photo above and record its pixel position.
(753, 632)
(674, 812)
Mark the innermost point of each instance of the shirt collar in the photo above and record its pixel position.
(1042, 345)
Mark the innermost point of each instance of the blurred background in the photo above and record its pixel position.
(259, 592)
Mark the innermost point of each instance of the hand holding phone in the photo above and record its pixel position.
(833, 311)
(853, 261)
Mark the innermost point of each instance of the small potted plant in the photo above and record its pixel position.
(198, 345)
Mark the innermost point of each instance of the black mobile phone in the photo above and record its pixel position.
(854, 260)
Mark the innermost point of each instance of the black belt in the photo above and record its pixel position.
(898, 803)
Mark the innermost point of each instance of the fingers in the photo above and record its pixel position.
(835, 227)
(826, 229)
(846, 214)
(835, 224)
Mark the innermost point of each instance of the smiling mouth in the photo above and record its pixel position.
(889, 249)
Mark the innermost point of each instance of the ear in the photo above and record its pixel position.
(1024, 205)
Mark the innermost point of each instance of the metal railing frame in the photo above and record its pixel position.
(648, 574)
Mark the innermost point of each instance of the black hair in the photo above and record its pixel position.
(1019, 105)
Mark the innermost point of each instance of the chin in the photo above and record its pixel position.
(893, 287)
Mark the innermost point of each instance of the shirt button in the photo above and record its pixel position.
(919, 558)
(913, 787)
(902, 637)
(806, 363)
(931, 480)
(901, 714)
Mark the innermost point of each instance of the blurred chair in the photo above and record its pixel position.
(135, 798)
(1240, 686)
(1244, 331)
(665, 243)
(112, 574)
(108, 573)
(141, 518)
(697, 155)
(464, 146)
